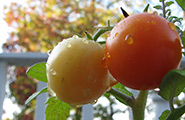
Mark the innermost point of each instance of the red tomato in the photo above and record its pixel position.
(141, 49)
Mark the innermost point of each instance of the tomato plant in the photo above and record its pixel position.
(75, 72)
(143, 52)
(141, 49)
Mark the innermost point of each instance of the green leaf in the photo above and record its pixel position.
(34, 95)
(146, 8)
(172, 84)
(56, 109)
(38, 71)
(164, 115)
(159, 7)
(169, 3)
(101, 42)
(122, 89)
(183, 38)
(177, 113)
(181, 3)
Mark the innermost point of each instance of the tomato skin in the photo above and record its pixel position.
(75, 72)
(141, 49)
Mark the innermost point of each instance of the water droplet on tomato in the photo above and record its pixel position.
(172, 26)
(129, 40)
(109, 89)
(87, 93)
(138, 20)
(51, 92)
(49, 52)
(85, 41)
(78, 106)
(94, 102)
(104, 62)
(116, 34)
(91, 79)
(153, 22)
(75, 37)
(47, 64)
(117, 25)
(53, 72)
(108, 55)
(155, 13)
(109, 35)
(68, 45)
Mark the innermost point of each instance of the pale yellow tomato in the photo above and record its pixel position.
(75, 71)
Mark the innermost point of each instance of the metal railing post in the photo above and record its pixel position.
(87, 112)
(40, 102)
(3, 71)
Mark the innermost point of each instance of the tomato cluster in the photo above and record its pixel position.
(138, 52)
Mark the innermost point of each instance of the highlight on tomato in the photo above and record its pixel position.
(141, 49)
(75, 72)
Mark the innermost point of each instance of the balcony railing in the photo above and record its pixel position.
(28, 59)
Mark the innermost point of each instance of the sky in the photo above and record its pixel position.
(4, 29)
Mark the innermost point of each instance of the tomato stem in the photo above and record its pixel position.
(164, 11)
(127, 99)
(171, 101)
(138, 106)
(100, 32)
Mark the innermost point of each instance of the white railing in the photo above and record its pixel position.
(28, 59)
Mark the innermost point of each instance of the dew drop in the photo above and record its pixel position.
(75, 37)
(109, 35)
(129, 40)
(68, 45)
(87, 93)
(51, 92)
(53, 72)
(94, 102)
(91, 79)
(108, 55)
(49, 52)
(116, 34)
(117, 25)
(47, 64)
(78, 106)
(155, 13)
(104, 62)
(153, 22)
(138, 20)
(109, 89)
(172, 26)
(85, 41)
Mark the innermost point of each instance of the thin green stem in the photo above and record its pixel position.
(100, 32)
(171, 101)
(138, 108)
(164, 7)
(138, 105)
(127, 99)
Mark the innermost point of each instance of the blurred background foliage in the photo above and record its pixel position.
(39, 25)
